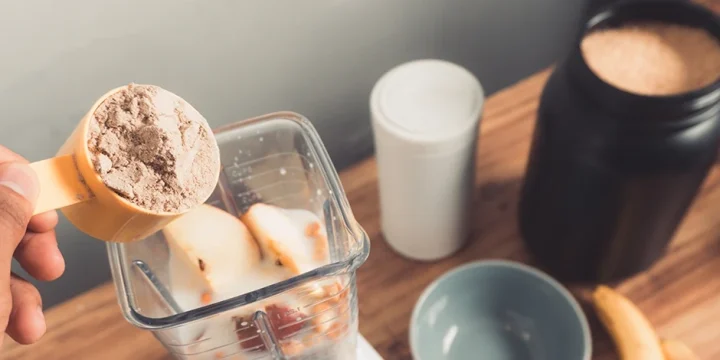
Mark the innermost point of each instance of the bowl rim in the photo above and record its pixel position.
(525, 269)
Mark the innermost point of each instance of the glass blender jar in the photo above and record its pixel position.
(276, 159)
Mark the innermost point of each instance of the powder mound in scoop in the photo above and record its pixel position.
(153, 149)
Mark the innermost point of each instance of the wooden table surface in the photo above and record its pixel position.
(680, 294)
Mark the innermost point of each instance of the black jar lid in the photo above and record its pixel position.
(646, 108)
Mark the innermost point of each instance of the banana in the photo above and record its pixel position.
(676, 350)
(634, 336)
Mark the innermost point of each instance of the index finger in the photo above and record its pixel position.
(43, 222)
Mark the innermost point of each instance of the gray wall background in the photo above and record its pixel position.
(241, 58)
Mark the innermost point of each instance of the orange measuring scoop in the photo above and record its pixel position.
(70, 183)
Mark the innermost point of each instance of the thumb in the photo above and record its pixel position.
(19, 190)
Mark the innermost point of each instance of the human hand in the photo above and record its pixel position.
(31, 240)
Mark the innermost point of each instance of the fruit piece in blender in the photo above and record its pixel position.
(285, 323)
(312, 229)
(292, 348)
(214, 243)
(316, 232)
(206, 298)
(329, 309)
(281, 241)
(247, 334)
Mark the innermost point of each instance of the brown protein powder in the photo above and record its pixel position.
(153, 149)
(653, 58)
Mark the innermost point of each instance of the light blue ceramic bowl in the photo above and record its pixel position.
(498, 310)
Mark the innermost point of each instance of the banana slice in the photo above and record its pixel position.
(634, 336)
(215, 244)
(676, 350)
(280, 239)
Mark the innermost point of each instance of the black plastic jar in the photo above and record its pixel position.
(611, 174)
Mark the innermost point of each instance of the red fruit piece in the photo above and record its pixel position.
(248, 334)
(285, 321)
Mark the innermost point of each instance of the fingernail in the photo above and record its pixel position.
(21, 179)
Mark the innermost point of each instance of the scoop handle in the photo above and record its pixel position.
(60, 184)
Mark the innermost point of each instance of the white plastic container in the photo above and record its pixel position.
(425, 119)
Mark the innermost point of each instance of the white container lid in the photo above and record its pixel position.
(428, 102)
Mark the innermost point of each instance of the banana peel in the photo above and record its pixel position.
(634, 336)
(676, 350)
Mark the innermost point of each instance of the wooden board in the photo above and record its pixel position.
(680, 294)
